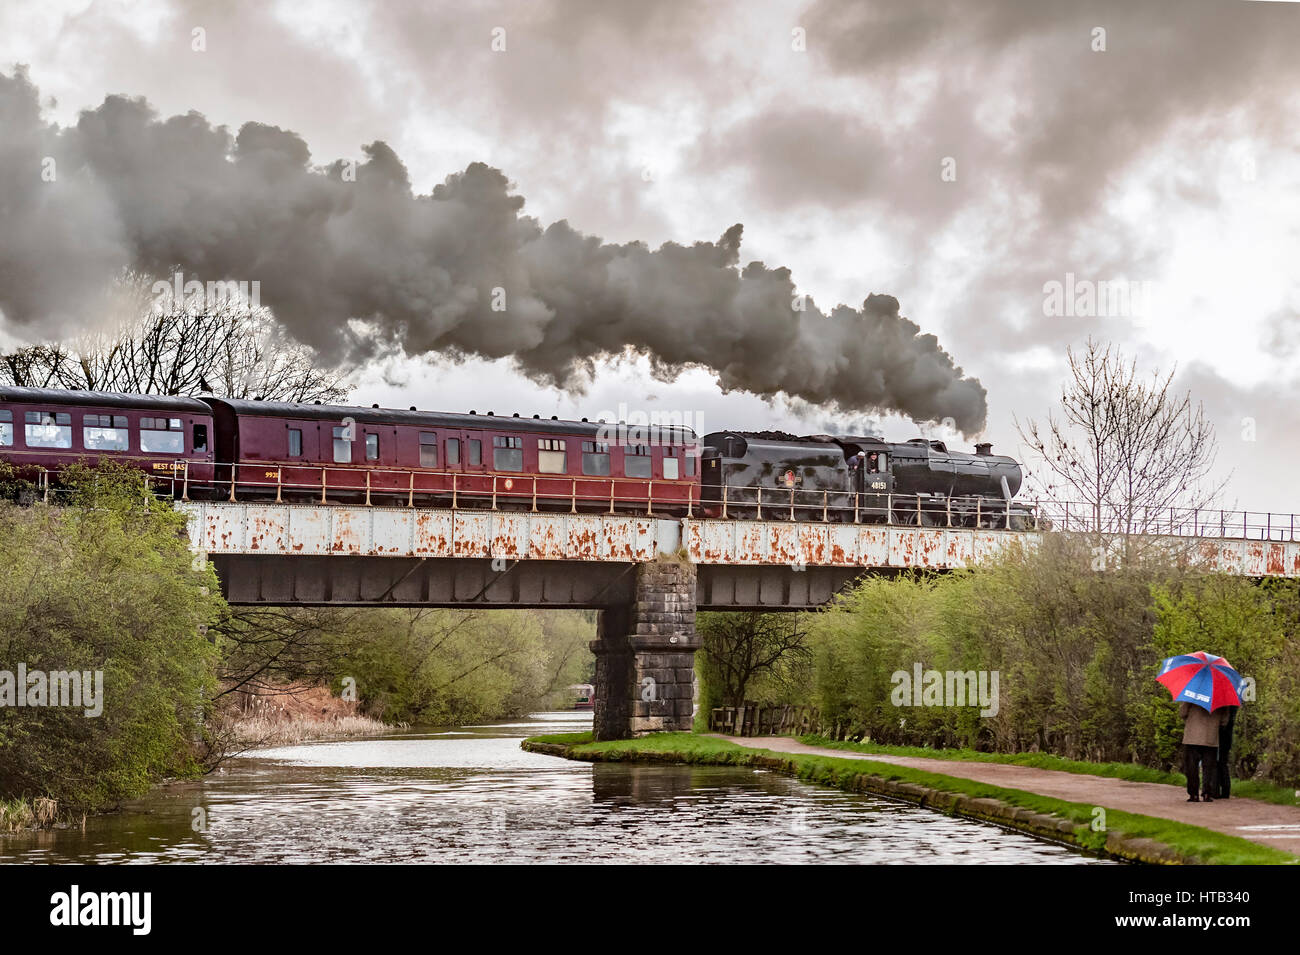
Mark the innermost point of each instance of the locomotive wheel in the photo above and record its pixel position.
(909, 517)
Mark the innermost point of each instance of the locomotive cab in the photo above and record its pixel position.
(869, 464)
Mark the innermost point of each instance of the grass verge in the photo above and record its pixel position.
(1127, 836)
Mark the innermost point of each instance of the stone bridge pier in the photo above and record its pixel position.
(645, 655)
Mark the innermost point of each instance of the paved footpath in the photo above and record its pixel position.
(1262, 822)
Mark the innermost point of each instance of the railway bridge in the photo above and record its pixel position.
(647, 575)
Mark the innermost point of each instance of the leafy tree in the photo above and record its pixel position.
(106, 584)
(447, 666)
(1077, 653)
(568, 635)
(429, 666)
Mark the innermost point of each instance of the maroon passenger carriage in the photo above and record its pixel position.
(44, 430)
(297, 453)
(278, 451)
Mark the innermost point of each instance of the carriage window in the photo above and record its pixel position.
(475, 452)
(453, 451)
(47, 429)
(6, 428)
(670, 465)
(691, 457)
(372, 447)
(342, 446)
(507, 453)
(637, 461)
(551, 456)
(295, 442)
(103, 432)
(162, 436)
(875, 463)
(595, 458)
(429, 450)
(201, 438)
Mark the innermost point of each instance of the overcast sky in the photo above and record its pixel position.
(954, 155)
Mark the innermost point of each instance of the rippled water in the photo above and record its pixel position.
(470, 794)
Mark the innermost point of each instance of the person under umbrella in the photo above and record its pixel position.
(1206, 687)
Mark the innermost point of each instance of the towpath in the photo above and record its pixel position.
(1262, 822)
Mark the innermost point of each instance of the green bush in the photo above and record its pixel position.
(420, 666)
(1077, 651)
(106, 583)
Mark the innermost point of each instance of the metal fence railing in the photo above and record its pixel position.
(1168, 521)
(411, 487)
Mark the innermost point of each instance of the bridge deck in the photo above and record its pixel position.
(359, 531)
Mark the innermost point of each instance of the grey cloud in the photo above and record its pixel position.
(1041, 127)
(138, 190)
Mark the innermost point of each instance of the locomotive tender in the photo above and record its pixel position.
(227, 449)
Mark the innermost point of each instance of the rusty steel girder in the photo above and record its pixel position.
(339, 530)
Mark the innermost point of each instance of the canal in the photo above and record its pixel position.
(470, 794)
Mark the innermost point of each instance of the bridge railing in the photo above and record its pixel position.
(443, 487)
(499, 490)
(1168, 521)
(248, 482)
(409, 487)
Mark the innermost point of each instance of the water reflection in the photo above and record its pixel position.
(470, 794)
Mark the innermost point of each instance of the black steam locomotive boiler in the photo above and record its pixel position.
(772, 475)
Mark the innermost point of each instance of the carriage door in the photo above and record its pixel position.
(471, 479)
(378, 446)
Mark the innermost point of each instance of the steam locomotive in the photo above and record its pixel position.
(773, 475)
(228, 449)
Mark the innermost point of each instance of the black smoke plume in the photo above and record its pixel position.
(429, 274)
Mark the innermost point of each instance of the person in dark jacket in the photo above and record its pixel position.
(1200, 749)
(1225, 749)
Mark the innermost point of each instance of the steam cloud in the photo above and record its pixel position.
(133, 189)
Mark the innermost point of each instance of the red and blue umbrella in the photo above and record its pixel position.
(1201, 678)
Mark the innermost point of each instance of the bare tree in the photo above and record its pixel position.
(270, 650)
(151, 344)
(1134, 454)
(36, 366)
(744, 645)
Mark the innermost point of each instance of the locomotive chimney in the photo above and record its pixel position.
(984, 449)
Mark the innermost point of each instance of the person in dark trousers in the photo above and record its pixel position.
(1200, 749)
(1225, 749)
